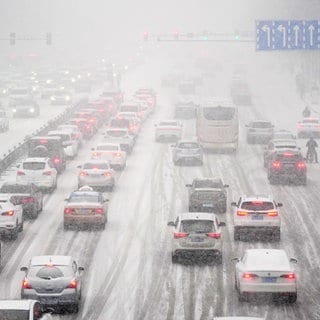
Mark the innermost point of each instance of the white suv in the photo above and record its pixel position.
(258, 215)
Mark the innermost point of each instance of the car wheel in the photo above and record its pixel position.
(103, 225)
(174, 258)
(236, 235)
(65, 226)
(292, 298)
(14, 232)
(21, 226)
(74, 308)
(223, 208)
(110, 188)
(272, 180)
(54, 187)
(40, 206)
(303, 181)
(34, 213)
(242, 296)
(276, 235)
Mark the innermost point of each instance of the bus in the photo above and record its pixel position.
(217, 125)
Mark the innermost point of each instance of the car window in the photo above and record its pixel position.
(197, 226)
(168, 123)
(89, 166)
(116, 133)
(121, 123)
(14, 314)
(261, 125)
(218, 113)
(207, 184)
(107, 148)
(77, 197)
(257, 205)
(50, 271)
(34, 165)
(15, 188)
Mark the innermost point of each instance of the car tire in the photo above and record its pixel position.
(272, 180)
(303, 181)
(110, 188)
(292, 298)
(103, 225)
(65, 226)
(242, 297)
(21, 225)
(236, 234)
(54, 187)
(14, 232)
(34, 213)
(40, 208)
(174, 258)
(276, 235)
(74, 308)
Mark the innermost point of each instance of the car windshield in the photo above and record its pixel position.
(188, 145)
(257, 205)
(207, 184)
(14, 314)
(116, 133)
(121, 123)
(34, 165)
(218, 113)
(24, 103)
(261, 125)
(89, 166)
(197, 226)
(15, 188)
(108, 148)
(84, 197)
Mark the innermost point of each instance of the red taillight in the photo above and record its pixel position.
(56, 160)
(98, 210)
(68, 210)
(20, 173)
(27, 200)
(83, 173)
(276, 164)
(242, 213)
(107, 174)
(92, 120)
(26, 284)
(249, 276)
(96, 154)
(214, 235)
(73, 284)
(179, 235)
(110, 106)
(8, 213)
(117, 154)
(288, 154)
(273, 213)
(290, 276)
(101, 110)
(47, 173)
(300, 125)
(301, 165)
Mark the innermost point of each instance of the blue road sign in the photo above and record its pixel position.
(287, 34)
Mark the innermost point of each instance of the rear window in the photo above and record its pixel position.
(83, 197)
(257, 205)
(108, 148)
(168, 123)
(120, 123)
(64, 137)
(218, 113)
(129, 108)
(197, 226)
(34, 165)
(207, 184)
(188, 145)
(116, 133)
(89, 166)
(15, 188)
(14, 314)
(261, 125)
(310, 121)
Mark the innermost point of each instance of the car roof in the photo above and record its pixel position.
(256, 198)
(45, 138)
(108, 144)
(280, 142)
(53, 132)
(54, 259)
(16, 304)
(97, 161)
(197, 216)
(38, 159)
(260, 121)
(85, 192)
(267, 259)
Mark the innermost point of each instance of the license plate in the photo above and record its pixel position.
(269, 279)
(197, 239)
(95, 175)
(82, 211)
(257, 217)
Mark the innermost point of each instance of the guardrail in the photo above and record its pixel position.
(18, 151)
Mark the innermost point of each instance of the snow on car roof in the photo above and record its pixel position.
(256, 198)
(54, 259)
(267, 260)
(197, 216)
(35, 160)
(16, 304)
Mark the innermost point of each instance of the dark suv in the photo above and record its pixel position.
(207, 195)
(287, 166)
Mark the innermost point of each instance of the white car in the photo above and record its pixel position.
(111, 152)
(39, 171)
(187, 152)
(96, 173)
(130, 115)
(197, 236)
(168, 130)
(308, 127)
(258, 215)
(259, 131)
(61, 97)
(266, 271)
(135, 107)
(75, 132)
(70, 144)
(121, 136)
(11, 217)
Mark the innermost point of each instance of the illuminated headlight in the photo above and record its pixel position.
(32, 110)
(48, 81)
(114, 74)
(4, 91)
(34, 88)
(14, 110)
(67, 98)
(79, 76)
(126, 67)
(73, 80)
(53, 99)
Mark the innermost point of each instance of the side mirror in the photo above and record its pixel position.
(18, 165)
(188, 185)
(226, 186)
(24, 269)
(247, 126)
(222, 224)
(172, 145)
(92, 149)
(67, 199)
(79, 166)
(235, 259)
(279, 204)
(293, 260)
(171, 224)
(80, 269)
(106, 200)
(234, 204)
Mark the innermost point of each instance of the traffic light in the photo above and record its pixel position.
(12, 38)
(48, 38)
(146, 36)
(176, 35)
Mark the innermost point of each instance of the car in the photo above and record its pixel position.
(277, 145)
(168, 130)
(69, 143)
(90, 117)
(197, 236)
(48, 147)
(121, 136)
(39, 171)
(136, 107)
(261, 271)
(308, 127)
(4, 121)
(149, 94)
(187, 152)
(287, 166)
(111, 152)
(131, 124)
(27, 195)
(61, 97)
(74, 130)
(283, 134)
(185, 110)
(22, 310)
(25, 108)
(85, 128)
(240, 92)
(11, 217)
(53, 280)
(131, 116)
(256, 215)
(19, 93)
(259, 131)
(96, 174)
(85, 207)
(207, 194)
